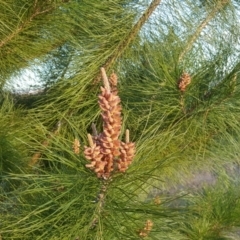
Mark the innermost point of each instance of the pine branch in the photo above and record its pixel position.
(36, 156)
(203, 24)
(130, 37)
(100, 202)
(119, 51)
(22, 27)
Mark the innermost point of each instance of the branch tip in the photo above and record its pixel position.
(105, 79)
(90, 140)
(127, 139)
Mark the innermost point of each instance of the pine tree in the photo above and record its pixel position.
(135, 131)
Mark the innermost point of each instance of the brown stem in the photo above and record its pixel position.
(36, 13)
(203, 24)
(36, 156)
(94, 130)
(130, 37)
(182, 103)
(100, 203)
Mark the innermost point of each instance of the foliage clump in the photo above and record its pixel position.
(178, 80)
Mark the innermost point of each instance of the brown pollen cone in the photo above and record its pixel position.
(184, 81)
(147, 228)
(127, 150)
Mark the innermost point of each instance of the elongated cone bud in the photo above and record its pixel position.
(105, 80)
(76, 146)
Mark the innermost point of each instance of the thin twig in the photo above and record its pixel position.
(130, 37)
(36, 156)
(94, 130)
(203, 24)
(23, 25)
(100, 202)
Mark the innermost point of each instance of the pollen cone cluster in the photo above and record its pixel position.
(106, 152)
(183, 81)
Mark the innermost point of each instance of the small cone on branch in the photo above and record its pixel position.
(157, 200)
(106, 150)
(147, 229)
(127, 152)
(76, 146)
(113, 79)
(184, 81)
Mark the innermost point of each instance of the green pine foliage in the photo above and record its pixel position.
(183, 181)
